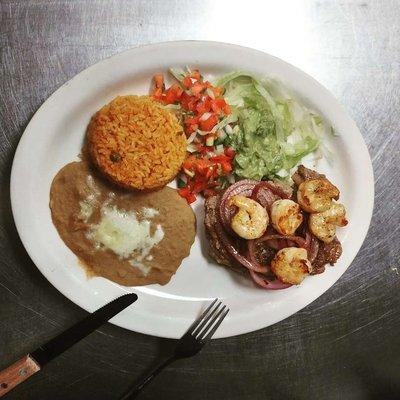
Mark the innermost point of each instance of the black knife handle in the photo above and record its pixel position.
(33, 362)
(81, 329)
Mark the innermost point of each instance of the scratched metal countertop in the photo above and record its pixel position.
(345, 345)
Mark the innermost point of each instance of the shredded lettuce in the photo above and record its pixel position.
(273, 131)
(178, 73)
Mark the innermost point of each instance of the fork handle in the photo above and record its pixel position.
(137, 387)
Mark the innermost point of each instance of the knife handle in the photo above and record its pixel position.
(17, 373)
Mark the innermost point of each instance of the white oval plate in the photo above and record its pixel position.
(54, 138)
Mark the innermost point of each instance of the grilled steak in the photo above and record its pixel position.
(216, 248)
(304, 174)
(328, 253)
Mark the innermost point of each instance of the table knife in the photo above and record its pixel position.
(35, 361)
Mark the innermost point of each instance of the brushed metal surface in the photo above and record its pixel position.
(345, 345)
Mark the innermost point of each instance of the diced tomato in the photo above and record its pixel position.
(201, 149)
(202, 172)
(189, 163)
(227, 109)
(218, 105)
(195, 74)
(209, 123)
(202, 166)
(213, 184)
(191, 124)
(197, 88)
(170, 96)
(187, 194)
(190, 129)
(188, 102)
(198, 186)
(159, 81)
(187, 82)
(192, 120)
(226, 167)
(192, 104)
(209, 192)
(224, 161)
(217, 91)
(211, 172)
(173, 94)
(185, 98)
(220, 158)
(157, 93)
(229, 152)
(178, 91)
(204, 105)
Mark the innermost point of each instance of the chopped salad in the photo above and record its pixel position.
(239, 127)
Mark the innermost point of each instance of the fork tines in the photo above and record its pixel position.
(205, 326)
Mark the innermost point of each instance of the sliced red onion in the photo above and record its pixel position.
(283, 243)
(275, 188)
(301, 242)
(274, 244)
(230, 248)
(265, 193)
(267, 284)
(264, 196)
(243, 188)
(307, 238)
(240, 187)
(251, 244)
(311, 242)
(313, 247)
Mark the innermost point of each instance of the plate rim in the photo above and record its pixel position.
(17, 161)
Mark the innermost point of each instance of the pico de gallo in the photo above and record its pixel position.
(206, 117)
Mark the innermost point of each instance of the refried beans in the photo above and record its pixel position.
(132, 238)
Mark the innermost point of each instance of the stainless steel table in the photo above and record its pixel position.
(346, 345)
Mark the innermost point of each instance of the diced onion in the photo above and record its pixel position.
(189, 173)
(191, 137)
(210, 141)
(205, 116)
(210, 93)
(221, 134)
(219, 149)
(231, 179)
(228, 129)
(183, 178)
(191, 148)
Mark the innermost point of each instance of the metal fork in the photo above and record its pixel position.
(199, 333)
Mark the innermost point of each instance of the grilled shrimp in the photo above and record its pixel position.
(286, 216)
(291, 265)
(315, 195)
(251, 220)
(323, 225)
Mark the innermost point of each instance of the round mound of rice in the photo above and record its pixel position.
(136, 143)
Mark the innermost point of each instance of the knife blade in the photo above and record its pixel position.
(34, 361)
